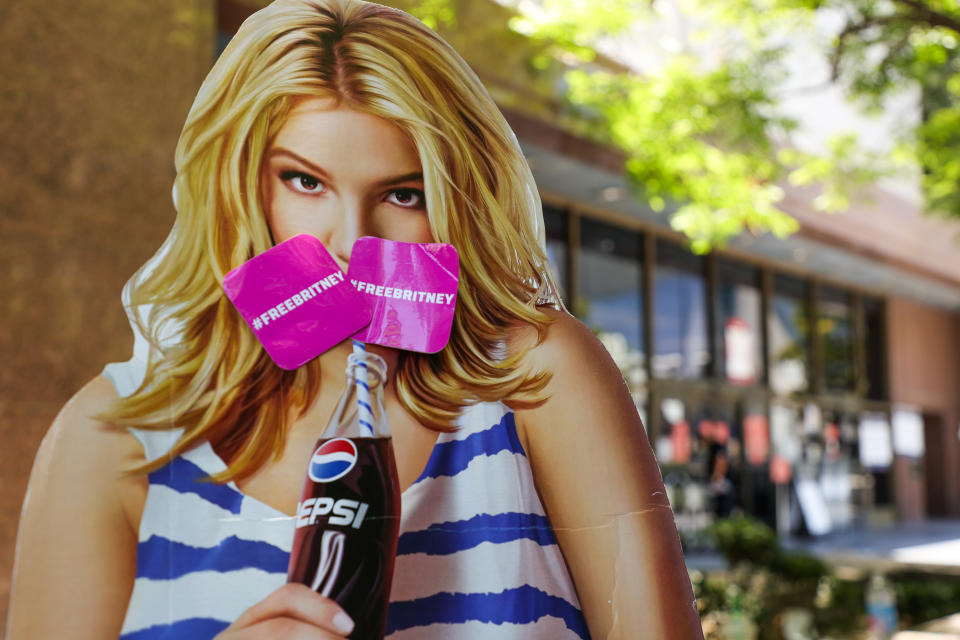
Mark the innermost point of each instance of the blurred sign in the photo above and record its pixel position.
(907, 432)
(672, 410)
(783, 434)
(812, 418)
(876, 450)
(741, 360)
(780, 472)
(814, 507)
(756, 438)
(680, 439)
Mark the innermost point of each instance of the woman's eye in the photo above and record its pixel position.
(407, 198)
(302, 182)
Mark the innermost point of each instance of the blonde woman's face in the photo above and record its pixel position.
(339, 174)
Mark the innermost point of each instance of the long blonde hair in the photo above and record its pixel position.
(215, 380)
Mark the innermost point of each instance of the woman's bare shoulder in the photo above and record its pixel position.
(77, 431)
(81, 445)
(563, 343)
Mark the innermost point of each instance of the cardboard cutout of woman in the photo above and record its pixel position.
(548, 518)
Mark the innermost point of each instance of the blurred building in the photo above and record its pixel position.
(829, 362)
(812, 382)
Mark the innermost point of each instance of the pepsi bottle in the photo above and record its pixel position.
(348, 517)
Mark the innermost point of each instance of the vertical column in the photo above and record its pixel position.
(653, 393)
(716, 369)
(815, 375)
(573, 262)
(766, 302)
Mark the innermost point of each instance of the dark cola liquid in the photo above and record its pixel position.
(345, 540)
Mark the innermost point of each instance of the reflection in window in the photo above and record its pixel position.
(789, 336)
(610, 300)
(738, 315)
(681, 349)
(555, 223)
(836, 330)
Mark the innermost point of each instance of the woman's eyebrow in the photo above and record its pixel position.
(405, 177)
(280, 151)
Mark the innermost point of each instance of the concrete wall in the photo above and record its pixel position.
(92, 100)
(924, 365)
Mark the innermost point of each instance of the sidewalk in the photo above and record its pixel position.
(930, 545)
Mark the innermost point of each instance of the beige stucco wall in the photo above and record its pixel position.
(924, 365)
(92, 100)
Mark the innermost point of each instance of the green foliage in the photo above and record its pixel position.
(692, 138)
(920, 599)
(742, 539)
(764, 580)
(840, 606)
(701, 134)
(879, 48)
(436, 13)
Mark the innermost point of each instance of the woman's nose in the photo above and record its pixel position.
(351, 226)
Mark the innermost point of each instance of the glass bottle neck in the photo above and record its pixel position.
(360, 412)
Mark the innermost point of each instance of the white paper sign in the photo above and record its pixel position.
(812, 418)
(672, 409)
(876, 450)
(816, 515)
(740, 363)
(783, 436)
(907, 432)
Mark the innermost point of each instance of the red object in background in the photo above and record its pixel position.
(780, 472)
(831, 440)
(831, 433)
(756, 437)
(706, 429)
(680, 438)
(711, 431)
(721, 432)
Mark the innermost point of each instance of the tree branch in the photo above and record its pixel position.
(930, 16)
(849, 30)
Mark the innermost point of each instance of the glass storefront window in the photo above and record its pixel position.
(610, 301)
(835, 326)
(789, 335)
(681, 347)
(555, 224)
(738, 317)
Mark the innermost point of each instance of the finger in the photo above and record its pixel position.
(299, 602)
(285, 628)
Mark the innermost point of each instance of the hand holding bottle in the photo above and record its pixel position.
(293, 611)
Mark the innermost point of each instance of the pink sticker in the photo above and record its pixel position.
(296, 300)
(412, 289)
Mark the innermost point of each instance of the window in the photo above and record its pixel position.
(835, 327)
(610, 300)
(789, 336)
(555, 223)
(681, 347)
(738, 319)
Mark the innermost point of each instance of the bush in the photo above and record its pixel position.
(744, 539)
(921, 598)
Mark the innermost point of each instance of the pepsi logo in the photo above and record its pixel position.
(332, 460)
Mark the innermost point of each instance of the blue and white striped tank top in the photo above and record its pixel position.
(476, 560)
